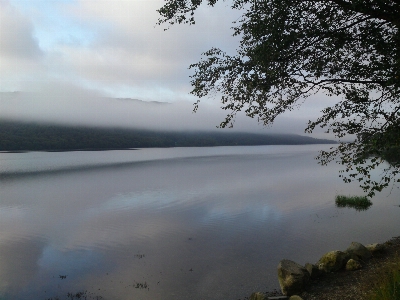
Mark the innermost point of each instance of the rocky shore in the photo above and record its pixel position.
(337, 279)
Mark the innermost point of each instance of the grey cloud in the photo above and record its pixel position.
(130, 57)
(133, 52)
(17, 34)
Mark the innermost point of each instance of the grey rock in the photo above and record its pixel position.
(295, 297)
(375, 248)
(258, 296)
(353, 265)
(358, 251)
(292, 277)
(313, 270)
(332, 261)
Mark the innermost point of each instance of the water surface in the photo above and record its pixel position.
(176, 223)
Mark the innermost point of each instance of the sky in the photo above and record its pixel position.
(71, 57)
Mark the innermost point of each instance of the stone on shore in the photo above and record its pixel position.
(314, 271)
(332, 261)
(292, 277)
(295, 297)
(258, 296)
(353, 265)
(375, 248)
(358, 251)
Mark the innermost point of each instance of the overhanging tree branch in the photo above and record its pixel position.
(291, 49)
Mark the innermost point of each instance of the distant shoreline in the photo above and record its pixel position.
(21, 137)
(113, 149)
(67, 150)
(88, 149)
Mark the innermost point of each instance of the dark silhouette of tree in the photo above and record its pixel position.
(291, 49)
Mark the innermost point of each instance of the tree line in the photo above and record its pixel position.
(20, 136)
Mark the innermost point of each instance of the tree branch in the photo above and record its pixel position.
(392, 17)
(347, 81)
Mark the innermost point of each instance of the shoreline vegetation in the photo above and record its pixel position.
(378, 279)
(20, 137)
(357, 202)
(388, 286)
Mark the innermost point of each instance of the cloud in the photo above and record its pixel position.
(74, 54)
(131, 53)
(112, 46)
(17, 34)
(20, 54)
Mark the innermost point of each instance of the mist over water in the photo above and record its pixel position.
(72, 105)
(177, 223)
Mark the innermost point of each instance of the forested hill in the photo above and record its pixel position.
(18, 136)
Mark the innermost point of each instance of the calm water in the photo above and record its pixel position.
(178, 223)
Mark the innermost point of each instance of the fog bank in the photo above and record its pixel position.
(66, 104)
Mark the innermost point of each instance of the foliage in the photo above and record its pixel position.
(357, 202)
(292, 49)
(388, 287)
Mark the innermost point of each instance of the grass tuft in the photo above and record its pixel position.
(388, 288)
(356, 202)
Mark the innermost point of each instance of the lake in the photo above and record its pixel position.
(174, 223)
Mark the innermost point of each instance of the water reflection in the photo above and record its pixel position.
(203, 226)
